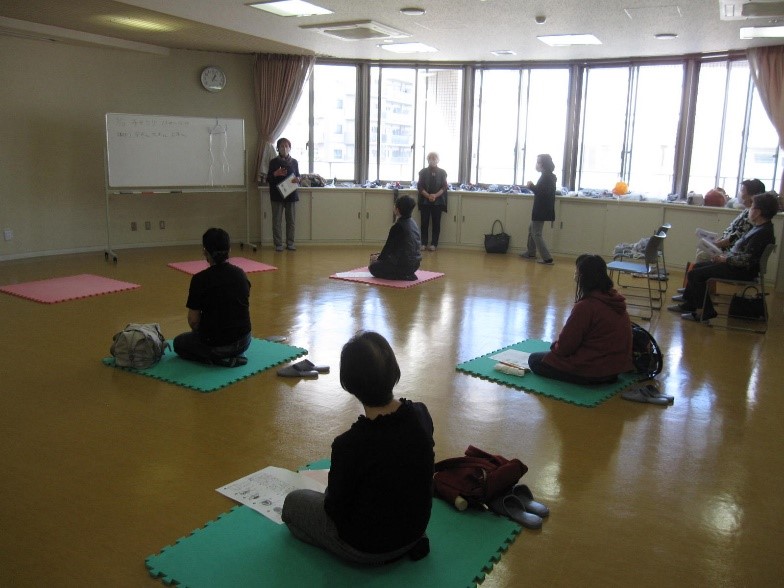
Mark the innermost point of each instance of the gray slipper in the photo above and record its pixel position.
(511, 507)
(654, 391)
(642, 394)
(524, 495)
(307, 365)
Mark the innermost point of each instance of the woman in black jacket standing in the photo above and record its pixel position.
(543, 211)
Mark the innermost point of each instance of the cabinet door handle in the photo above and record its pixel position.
(359, 216)
(367, 215)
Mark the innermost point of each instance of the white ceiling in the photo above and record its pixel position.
(461, 30)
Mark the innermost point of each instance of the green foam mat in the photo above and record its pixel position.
(575, 393)
(244, 548)
(207, 378)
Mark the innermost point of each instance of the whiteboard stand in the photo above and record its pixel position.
(247, 226)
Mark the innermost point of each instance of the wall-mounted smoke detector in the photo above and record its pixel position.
(357, 30)
(745, 9)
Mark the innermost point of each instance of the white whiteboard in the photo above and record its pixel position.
(151, 151)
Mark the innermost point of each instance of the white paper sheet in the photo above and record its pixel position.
(265, 490)
(708, 247)
(705, 234)
(286, 187)
(354, 275)
(513, 356)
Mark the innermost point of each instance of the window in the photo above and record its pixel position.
(518, 114)
(629, 118)
(330, 155)
(733, 137)
(630, 127)
(413, 111)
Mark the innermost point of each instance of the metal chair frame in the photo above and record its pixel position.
(720, 301)
(650, 270)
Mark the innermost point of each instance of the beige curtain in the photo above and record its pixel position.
(767, 70)
(278, 82)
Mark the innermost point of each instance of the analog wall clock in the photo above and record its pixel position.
(213, 78)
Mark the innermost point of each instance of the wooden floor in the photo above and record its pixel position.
(102, 468)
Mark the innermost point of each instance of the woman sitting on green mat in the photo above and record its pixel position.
(595, 344)
(378, 500)
(218, 308)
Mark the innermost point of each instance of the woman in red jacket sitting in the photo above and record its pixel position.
(595, 344)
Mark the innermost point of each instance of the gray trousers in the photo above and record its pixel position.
(304, 515)
(535, 240)
(278, 208)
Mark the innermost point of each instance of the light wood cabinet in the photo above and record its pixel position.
(336, 215)
(478, 212)
(377, 215)
(582, 225)
(580, 228)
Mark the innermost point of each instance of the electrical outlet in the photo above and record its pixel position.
(133, 225)
(147, 225)
(162, 224)
(8, 234)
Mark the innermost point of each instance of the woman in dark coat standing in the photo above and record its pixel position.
(432, 188)
(543, 211)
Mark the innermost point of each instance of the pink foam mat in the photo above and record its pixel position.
(362, 275)
(67, 288)
(194, 267)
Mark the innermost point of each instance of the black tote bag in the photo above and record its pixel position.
(497, 242)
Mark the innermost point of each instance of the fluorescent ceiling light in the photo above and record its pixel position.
(500, 52)
(291, 8)
(408, 48)
(139, 23)
(566, 40)
(412, 11)
(762, 32)
(665, 36)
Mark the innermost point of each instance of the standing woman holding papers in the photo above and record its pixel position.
(283, 178)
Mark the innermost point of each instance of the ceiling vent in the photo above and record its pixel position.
(357, 30)
(745, 9)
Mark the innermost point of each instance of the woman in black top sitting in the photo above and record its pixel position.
(741, 262)
(400, 257)
(218, 308)
(379, 496)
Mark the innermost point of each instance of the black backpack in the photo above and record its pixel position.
(646, 353)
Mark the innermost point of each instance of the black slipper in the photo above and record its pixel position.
(306, 366)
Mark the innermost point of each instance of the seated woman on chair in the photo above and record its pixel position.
(400, 257)
(741, 224)
(595, 344)
(741, 262)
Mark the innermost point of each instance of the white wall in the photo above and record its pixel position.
(54, 98)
